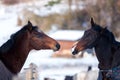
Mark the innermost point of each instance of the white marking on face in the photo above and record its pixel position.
(74, 46)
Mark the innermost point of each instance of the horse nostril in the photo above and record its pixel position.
(75, 52)
(57, 46)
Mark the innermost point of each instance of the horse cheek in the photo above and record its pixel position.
(35, 44)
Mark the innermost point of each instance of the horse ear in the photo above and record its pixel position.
(92, 22)
(29, 26)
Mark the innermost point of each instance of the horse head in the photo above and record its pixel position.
(39, 40)
(91, 37)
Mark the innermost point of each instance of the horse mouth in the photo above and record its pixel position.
(76, 51)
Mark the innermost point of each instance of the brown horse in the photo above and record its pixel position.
(14, 52)
(105, 45)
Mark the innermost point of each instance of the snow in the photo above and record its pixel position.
(58, 68)
(61, 71)
(71, 35)
(38, 57)
(39, 60)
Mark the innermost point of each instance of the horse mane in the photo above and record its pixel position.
(8, 44)
(111, 38)
(109, 35)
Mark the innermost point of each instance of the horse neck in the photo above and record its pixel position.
(116, 57)
(14, 58)
(104, 54)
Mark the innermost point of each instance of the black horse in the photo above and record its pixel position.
(106, 48)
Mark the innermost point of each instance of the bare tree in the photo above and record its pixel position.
(106, 13)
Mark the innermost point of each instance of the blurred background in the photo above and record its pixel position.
(65, 21)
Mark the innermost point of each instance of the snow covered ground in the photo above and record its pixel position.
(55, 66)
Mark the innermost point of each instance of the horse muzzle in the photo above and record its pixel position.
(57, 47)
(75, 52)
